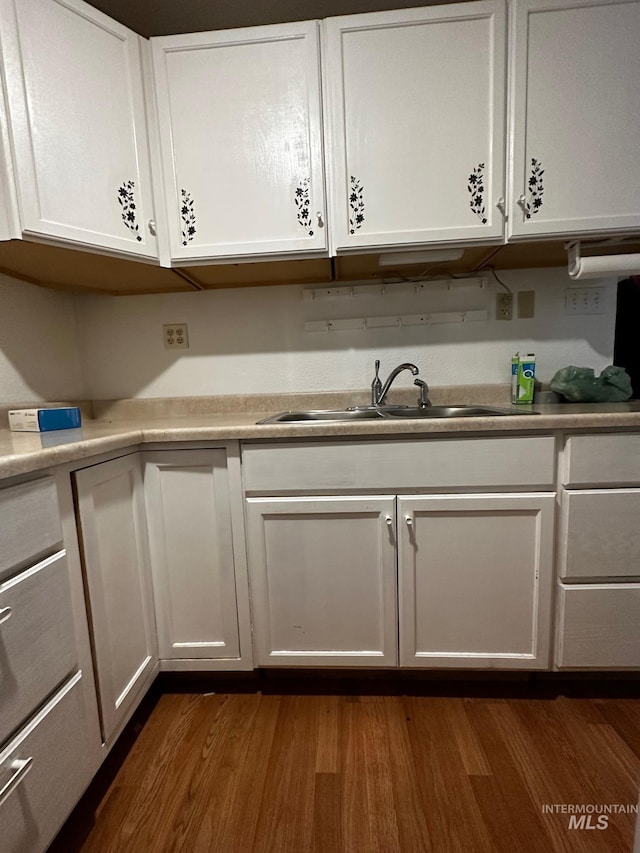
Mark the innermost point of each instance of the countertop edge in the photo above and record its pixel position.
(117, 436)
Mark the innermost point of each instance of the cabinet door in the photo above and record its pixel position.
(475, 576)
(9, 216)
(323, 580)
(575, 117)
(77, 117)
(416, 101)
(116, 561)
(192, 556)
(240, 132)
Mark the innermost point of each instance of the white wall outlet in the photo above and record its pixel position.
(176, 336)
(584, 300)
(504, 306)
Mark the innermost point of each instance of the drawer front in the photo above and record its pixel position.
(29, 522)
(45, 772)
(599, 626)
(600, 534)
(37, 641)
(400, 465)
(602, 459)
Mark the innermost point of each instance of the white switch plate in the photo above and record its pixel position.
(584, 300)
(176, 336)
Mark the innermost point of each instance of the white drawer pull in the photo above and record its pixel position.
(20, 769)
(409, 520)
(389, 520)
(5, 613)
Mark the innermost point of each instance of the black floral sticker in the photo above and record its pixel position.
(302, 203)
(475, 185)
(128, 205)
(536, 189)
(188, 217)
(356, 204)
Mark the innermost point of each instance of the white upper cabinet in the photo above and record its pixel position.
(416, 105)
(575, 117)
(78, 125)
(241, 140)
(8, 203)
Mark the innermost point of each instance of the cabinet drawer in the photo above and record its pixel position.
(54, 745)
(599, 626)
(29, 522)
(37, 641)
(600, 534)
(594, 459)
(449, 463)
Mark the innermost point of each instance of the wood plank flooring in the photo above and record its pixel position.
(325, 774)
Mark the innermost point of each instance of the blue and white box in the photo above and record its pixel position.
(44, 420)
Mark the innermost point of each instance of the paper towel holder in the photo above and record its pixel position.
(599, 266)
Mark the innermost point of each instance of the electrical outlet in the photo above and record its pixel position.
(504, 306)
(176, 336)
(584, 300)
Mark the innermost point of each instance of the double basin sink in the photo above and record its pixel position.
(363, 413)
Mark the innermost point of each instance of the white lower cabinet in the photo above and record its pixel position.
(463, 580)
(323, 580)
(196, 536)
(50, 743)
(600, 536)
(43, 771)
(475, 576)
(598, 626)
(37, 642)
(598, 602)
(110, 503)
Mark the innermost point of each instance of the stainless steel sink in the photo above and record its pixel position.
(388, 412)
(325, 415)
(448, 412)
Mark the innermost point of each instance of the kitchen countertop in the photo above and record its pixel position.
(22, 453)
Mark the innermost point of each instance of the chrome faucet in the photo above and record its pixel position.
(379, 390)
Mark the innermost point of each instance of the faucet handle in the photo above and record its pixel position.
(376, 385)
(424, 400)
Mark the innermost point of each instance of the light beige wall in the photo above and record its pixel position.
(252, 340)
(39, 355)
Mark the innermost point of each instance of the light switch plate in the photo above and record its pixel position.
(526, 304)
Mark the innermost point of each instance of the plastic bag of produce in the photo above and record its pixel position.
(581, 385)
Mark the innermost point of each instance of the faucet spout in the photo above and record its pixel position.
(382, 393)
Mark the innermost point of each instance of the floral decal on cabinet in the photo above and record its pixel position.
(475, 185)
(128, 205)
(301, 199)
(188, 217)
(536, 189)
(356, 205)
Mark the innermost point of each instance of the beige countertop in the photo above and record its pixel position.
(21, 453)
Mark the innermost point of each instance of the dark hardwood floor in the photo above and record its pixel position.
(235, 773)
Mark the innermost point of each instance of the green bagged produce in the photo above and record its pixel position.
(581, 385)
